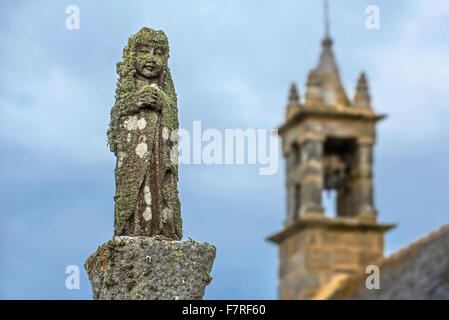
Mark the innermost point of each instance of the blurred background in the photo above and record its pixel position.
(232, 64)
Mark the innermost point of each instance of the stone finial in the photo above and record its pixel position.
(326, 18)
(362, 96)
(293, 96)
(142, 120)
(332, 90)
(313, 91)
(326, 62)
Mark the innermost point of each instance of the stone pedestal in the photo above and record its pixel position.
(313, 250)
(149, 268)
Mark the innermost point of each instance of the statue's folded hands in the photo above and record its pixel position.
(149, 97)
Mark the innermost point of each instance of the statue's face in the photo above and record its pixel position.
(150, 61)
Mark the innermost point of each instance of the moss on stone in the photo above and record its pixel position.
(128, 267)
(127, 97)
(162, 278)
(110, 282)
(170, 270)
(147, 271)
(130, 284)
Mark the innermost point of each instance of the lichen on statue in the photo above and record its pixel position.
(143, 117)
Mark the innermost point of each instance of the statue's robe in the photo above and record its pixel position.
(146, 200)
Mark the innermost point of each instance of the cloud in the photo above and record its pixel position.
(60, 117)
(409, 75)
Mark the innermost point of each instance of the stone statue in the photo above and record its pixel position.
(142, 135)
(146, 258)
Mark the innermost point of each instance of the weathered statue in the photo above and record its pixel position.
(142, 261)
(143, 119)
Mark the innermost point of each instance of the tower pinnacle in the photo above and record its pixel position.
(332, 89)
(362, 96)
(326, 19)
(293, 96)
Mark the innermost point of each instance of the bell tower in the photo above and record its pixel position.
(327, 141)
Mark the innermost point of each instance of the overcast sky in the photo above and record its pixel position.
(232, 63)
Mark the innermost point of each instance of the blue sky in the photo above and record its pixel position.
(232, 63)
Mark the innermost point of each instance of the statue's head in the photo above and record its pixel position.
(147, 53)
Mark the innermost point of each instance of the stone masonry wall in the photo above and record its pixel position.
(311, 257)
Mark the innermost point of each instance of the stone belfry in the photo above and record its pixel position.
(327, 141)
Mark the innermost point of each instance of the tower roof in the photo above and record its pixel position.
(332, 90)
(325, 95)
(326, 62)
